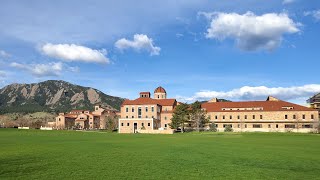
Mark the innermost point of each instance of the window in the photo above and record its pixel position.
(312, 116)
(139, 112)
(303, 116)
(245, 126)
(230, 117)
(97, 108)
(307, 126)
(253, 116)
(158, 96)
(289, 126)
(152, 116)
(59, 119)
(238, 117)
(142, 124)
(132, 109)
(148, 124)
(152, 109)
(257, 126)
(127, 109)
(216, 117)
(238, 125)
(132, 117)
(165, 125)
(277, 126)
(127, 117)
(285, 116)
(294, 117)
(223, 117)
(261, 117)
(166, 109)
(162, 96)
(245, 116)
(146, 109)
(225, 125)
(128, 124)
(165, 118)
(146, 116)
(121, 124)
(269, 125)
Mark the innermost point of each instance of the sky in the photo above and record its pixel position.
(195, 49)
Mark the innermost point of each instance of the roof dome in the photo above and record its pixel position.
(160, 90)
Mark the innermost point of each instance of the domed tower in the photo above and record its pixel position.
(160, 93)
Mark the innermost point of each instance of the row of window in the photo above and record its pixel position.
(138, 117)
(269, 126)
(261, 117)
(128, 124)
(139, 108)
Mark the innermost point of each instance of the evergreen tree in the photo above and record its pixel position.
(179, 117)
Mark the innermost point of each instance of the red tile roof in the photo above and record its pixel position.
(266, 105)
(160, 90)
(147, 101)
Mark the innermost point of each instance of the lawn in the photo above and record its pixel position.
(35, 154)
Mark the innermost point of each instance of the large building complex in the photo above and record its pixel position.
(147, 113)
(272, 115)
(314, 102)
(85, 119)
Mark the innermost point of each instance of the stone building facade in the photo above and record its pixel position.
(146, 113)
(272, 115)
(85, 119)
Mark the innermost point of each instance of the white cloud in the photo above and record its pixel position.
(257, 93)
(72, 52)
(251, 32)
(315, 14)
(4, 54)
(41, 70)
(2, 74)
(288, 1)
(140, 42)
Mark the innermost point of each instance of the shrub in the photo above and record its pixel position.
(143, 128)
(212, 127)
(228, 129)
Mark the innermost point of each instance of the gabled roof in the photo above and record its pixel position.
(148, 101)
(265, 105)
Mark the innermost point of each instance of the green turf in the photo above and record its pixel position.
(35, 154)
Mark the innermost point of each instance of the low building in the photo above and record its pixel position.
(146, 113)
(84, 119)
(272, 115)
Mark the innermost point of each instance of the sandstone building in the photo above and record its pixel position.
(147, 113)
(272, 115)
(84, 118)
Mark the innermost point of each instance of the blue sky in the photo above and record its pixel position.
(196, 50)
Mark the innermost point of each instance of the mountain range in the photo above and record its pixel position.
(53, 96)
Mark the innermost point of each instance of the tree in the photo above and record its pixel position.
(228, 128)
(111, 123)
(213, 127)
(179, 117)
(198, 116)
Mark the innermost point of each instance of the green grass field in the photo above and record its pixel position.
(35, 154)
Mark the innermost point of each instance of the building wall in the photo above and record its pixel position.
(127, 125)
(273, 121)
(60, 122)
(166, 119)
(144, 114)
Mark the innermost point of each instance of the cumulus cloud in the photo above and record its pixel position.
(314, 14)
(42, 70)
(139, 42)
(4, 54)
(288, 1)
(72, 52)
(251, 32)
(257, 93)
